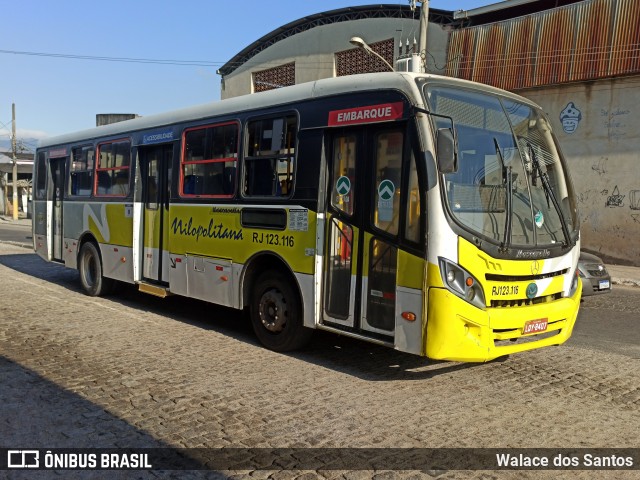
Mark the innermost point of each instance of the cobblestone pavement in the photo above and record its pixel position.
(136, 371)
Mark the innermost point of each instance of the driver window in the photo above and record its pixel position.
(412, 223)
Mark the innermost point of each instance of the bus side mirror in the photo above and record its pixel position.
(447, 151)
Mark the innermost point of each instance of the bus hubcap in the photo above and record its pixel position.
(273, 311)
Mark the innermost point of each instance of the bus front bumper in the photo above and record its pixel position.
(461, 332)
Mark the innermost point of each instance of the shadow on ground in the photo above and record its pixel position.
(350, 356)
(37, 414)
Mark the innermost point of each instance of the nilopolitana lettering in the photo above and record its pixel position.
(212, 230)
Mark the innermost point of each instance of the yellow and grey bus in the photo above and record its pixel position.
(429, 214)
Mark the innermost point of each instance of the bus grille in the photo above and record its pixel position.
(523, 278)
(523, 302)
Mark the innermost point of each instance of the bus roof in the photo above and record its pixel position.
(402, 81)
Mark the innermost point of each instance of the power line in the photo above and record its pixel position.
(187, 63)
(183, 63)
(4, 125)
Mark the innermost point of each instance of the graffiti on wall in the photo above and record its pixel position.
(615, 199)
(601, 167)
(607, 189)
(634, 199)
(614, 122)
(570, 117)
(634, 204)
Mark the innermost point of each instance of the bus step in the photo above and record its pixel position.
(161, 292)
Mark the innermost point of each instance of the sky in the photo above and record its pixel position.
(56, 94)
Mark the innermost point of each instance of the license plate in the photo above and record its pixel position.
(535, 326)
(604, 284)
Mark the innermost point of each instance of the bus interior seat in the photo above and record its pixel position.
(261, 179)
(104, 182)
(121, 184)
(229, 180)
(212, 184)
(193, 185)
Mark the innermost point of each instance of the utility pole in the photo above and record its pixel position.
(15, 162)
(424, 23)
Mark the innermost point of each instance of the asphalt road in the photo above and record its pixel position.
(610, 322)
(15, 233)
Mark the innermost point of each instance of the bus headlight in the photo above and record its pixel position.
(462, 283)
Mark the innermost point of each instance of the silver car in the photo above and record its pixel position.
(594, 275)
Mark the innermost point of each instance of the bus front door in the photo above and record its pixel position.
(57, 166)
(155, 164)
(360, 274)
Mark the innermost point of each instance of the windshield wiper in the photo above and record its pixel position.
(548, 191)
(507, 181)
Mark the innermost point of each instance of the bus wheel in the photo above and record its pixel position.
(276, 313)
(90, 268)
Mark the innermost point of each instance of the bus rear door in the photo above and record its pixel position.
(58, 169)
(155, 164)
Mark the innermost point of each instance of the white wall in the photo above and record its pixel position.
(602, 147)
(313, 50)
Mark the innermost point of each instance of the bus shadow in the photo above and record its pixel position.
(34, 266)
(227, 321)
(340, 353)
(373, 362)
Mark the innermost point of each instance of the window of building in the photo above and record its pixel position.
(277, 77)
(269, 163)
(209, 161)
(81, 171)
(113, 169)
(356, 60)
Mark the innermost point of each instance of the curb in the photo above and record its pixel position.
(17, 244)
(629, 282)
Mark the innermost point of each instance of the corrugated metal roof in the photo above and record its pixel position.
(442, 17)
(625, 41)
(585, 41)
(461, 14)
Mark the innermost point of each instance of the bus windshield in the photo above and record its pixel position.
(511, 186)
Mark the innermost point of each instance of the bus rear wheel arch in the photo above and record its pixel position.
(92, 279)
(275, 309)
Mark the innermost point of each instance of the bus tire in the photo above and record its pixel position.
(276, 313)
(93, 282)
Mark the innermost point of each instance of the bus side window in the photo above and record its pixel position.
(113, 168)
(210, 152)
(269, 163)
(41, 176)
(81, 171)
